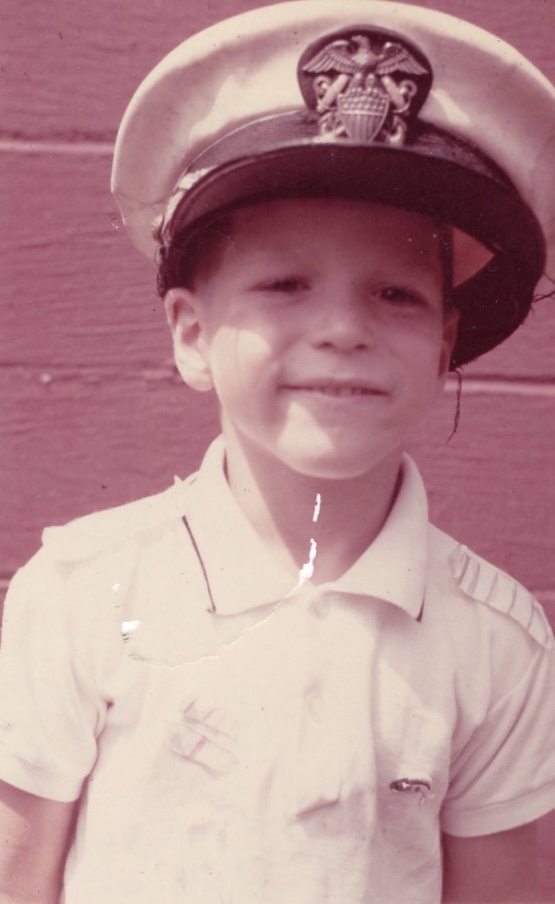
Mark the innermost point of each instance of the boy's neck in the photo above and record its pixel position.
(289, 510)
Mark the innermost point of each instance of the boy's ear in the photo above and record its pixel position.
(450, 330)
(189, 345)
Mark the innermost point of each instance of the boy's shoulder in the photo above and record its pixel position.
(474, 580)
(96, 533)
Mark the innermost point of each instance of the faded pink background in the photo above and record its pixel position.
(91, 411)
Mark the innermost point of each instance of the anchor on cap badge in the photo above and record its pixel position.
(357, 82)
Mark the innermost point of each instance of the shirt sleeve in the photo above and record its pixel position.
(50, 709)
(504, 776)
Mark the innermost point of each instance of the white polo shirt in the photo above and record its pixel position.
(291, 747)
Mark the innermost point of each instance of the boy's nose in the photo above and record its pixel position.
(343, 321)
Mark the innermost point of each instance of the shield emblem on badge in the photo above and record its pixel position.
(363, 111)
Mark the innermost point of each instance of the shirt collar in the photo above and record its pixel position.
(243, 575)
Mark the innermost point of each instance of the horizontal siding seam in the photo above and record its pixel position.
(504, 386)
(46, 373)
(32, 146)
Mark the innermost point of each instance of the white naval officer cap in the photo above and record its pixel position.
(363, 99)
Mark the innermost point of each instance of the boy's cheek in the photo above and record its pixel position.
(243, 350)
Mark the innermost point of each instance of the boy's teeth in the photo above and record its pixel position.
(338, 390)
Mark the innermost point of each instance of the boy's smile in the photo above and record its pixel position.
(323, 332)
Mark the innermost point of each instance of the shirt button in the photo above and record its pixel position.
(321, 608)
(315, 706)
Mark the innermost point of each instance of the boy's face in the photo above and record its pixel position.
(323, 332)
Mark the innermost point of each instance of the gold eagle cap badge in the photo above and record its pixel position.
(366, 85)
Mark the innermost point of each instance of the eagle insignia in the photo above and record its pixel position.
(364, 85)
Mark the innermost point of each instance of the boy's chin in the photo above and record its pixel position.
(315, 454)
(339, 463)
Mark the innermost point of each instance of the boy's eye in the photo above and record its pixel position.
(289, 285)
(400, 297)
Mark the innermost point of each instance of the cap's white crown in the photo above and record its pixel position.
(244, 68)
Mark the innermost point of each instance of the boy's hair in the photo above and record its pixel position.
(193, 255)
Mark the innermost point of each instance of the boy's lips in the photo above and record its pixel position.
(335, 388)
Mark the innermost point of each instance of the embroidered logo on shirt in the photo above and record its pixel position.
(199, 738)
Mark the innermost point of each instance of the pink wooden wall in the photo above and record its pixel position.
(91, 412)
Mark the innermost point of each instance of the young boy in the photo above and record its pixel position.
(277, 683)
